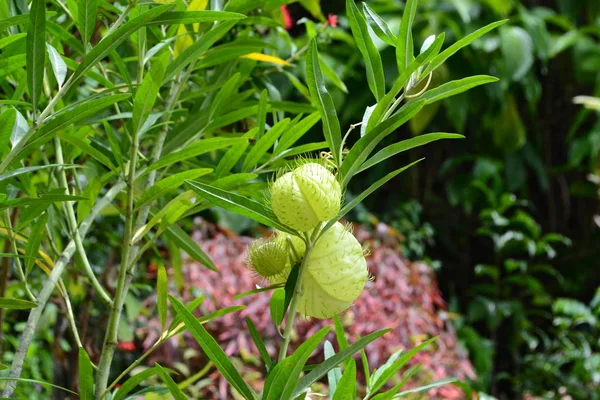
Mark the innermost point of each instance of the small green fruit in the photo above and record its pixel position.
(306, 196)
(268, 257)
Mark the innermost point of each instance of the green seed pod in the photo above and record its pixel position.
(268, 257)
(306, 196)
(335, 274)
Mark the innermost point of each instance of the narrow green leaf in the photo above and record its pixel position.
(161, 294)
(43, 199)
(336, 360)
(261, 116)
(379, 26)
(467, 40)
(346, 388)
(110, 42)
(91, 192)
(61, 120)
(87, 149)
(405, 378)
(290, 287)
(455, 87)
(260, 345)
(16, 304)
(324, 103)
(213, 351)
(170, 383)
(58, 65)
(36, 50)
(331, 75)
(234, 154)
(34, 241)
(191, 17)
(405, 145)
(276, 307)
(348, 207)
(422, 59)
(333, 376)
(86, 376)
(255, 291)
(145, 96)
(426, 387)
(404, 358)
(264, 144)
(170, 183)
(223, 98)
(292, 135)
(19, 20)
(133, 382)
(185, 243)
(339, 333)
(404, 45)
(366, 144)
(195, 149)
(197, 49)
(191, 307)
(360, 31)
(26, 170)
(238, 204)
(36, 382)
(87, 10)
(281, 381)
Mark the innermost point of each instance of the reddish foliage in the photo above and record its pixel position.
(403, 296)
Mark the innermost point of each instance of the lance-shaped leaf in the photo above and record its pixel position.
(324, 103)
(363, 148)
(86, 19)
(264, 144)
(467, 40)
(36, 50)
(379, 26)
(455, 87)
(199, 47)
(145, 96)
(282, 379)
(360, 31)
(110, 42)
(238, 204)
(404, 45)
(170, 384)
(422, 59)
(191, 17)
(86, 376)
(386, 374)
(16, 304)
(213, 351)
(332, 362)
(405, 145)
(200, 147)
(185, 243)
(58, 65)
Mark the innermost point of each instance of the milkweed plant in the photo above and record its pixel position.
(143, 114)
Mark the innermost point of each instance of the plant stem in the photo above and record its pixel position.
(130, 252)
(131, 366)
(48, 288)
(110, 339)
(291, 317)
(72, 223)
(121, 18)
(17, 261)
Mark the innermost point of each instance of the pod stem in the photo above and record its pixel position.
(291, 317)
